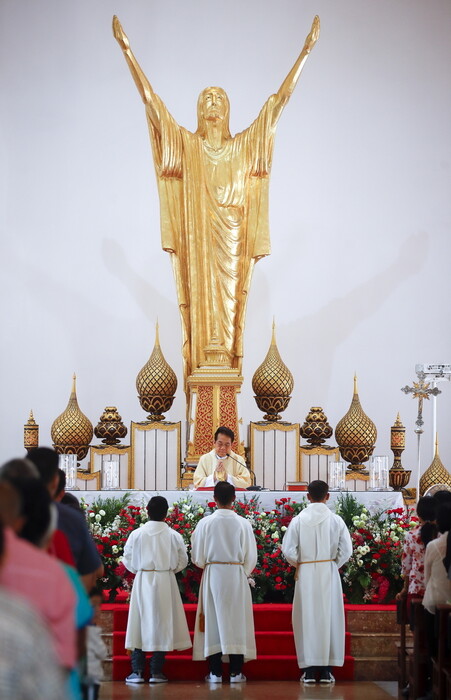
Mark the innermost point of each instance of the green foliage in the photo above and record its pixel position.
(111, 507)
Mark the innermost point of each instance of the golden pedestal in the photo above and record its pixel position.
(274, 449)
(212, 402)
(155, 456)
(315, 462)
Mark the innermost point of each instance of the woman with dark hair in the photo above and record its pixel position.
(437, 583)
(23, 636)
(414, 548)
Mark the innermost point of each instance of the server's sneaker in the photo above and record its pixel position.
(309, 676)
(135, 678)
(158, 678)
(238, 678)
(211, 678)
(325, 676)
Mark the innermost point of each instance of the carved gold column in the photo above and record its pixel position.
(212, 392)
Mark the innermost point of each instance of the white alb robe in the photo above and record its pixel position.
(224, 596)
(156, 618)
(318, 613)
(238, 473)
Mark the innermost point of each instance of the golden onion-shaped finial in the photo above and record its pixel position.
(156, 383)
(72, 431)
(436, 473)
(272, 383)
(31, 433)
(356, 433)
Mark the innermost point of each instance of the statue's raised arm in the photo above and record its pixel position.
(286, 89)
(143, 85)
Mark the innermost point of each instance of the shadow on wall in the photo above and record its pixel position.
(314, 338)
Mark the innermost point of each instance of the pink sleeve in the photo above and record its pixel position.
(62, 619)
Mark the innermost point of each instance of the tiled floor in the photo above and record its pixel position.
(250, 691)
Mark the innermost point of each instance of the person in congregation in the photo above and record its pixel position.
(437, 583)
(317, 542)
(38, 518)
(156, 619)
(29, 667)
(222, 464)
(38, 578)
(414, 550)
(223, 545)
(72, 523)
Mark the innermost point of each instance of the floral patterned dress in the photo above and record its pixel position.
(412, 564)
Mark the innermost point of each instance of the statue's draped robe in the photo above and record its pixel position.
(214, 222)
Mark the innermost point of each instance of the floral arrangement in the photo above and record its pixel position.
(371, 575)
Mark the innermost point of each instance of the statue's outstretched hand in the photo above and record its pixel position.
(312, 38)
(119, 34)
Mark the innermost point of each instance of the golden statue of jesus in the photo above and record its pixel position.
(213, 206)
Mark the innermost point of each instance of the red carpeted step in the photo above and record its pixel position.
(275, 647)
(268, 644)
(283, 668)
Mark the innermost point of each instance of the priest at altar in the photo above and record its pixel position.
(221, 464)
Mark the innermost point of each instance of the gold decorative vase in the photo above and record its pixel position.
(435, 474)
(356, 434)
(72, 431)
(110, 427)
(31, 433)
(156, 384)
(272, 383)
(316, 429)
(398, 476)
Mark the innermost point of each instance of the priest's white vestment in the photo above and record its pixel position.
(313, 537)
(238, 473)
(156, 618)
(223, 544)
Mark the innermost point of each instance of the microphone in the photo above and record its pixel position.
(236, 460)
(249, 488)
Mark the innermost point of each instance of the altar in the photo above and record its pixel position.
(374, 501)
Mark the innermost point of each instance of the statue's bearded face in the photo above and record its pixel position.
(214, 105)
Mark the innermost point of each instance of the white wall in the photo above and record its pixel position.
(360, 201)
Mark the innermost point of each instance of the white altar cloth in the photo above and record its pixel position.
(374, 501)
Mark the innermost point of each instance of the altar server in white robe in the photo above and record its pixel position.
(156, 619)
(317, 542)
(223, 545)
(222, 464)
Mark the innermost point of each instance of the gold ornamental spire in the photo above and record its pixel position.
(72, 431)
(436, 473)
(31, 433)
(356, 433)
(156, 383)
(272, 382)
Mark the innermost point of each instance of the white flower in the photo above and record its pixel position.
(200, 510)
(275, 536)
(102, 513)
(98, 517)
(114, 549)
(283, 528)
(360, 562)
(92, 515)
